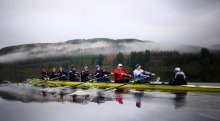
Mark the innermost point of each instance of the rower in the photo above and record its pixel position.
(120, 74)
(44, 74)
(101, 75)
(180, 77)
(85, 74)
(141, 75)
(62, 74)
(53, 74)
(73, 74)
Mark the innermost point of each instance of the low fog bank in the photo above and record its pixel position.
(86, 48)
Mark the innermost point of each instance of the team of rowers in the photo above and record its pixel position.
(101, 75)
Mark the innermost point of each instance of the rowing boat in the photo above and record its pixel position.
(204, 88)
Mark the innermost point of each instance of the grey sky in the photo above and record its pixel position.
(181, 21)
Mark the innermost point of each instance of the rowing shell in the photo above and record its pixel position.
(127, 86)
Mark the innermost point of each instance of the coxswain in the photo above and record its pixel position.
(180, 77)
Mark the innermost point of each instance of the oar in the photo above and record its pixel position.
(132, 82)
(46, 81)
(41, 81)
(76, 85)
(53, 79)
(116, 87)
(58, 85)
(90, 81)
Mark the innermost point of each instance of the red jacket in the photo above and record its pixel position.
(118, 74)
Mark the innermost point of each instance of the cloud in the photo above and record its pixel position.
(188, 22)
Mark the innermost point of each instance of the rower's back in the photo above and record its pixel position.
(180, 78)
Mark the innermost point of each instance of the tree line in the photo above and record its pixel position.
(199, 67)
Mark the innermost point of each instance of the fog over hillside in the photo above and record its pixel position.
(86, 47)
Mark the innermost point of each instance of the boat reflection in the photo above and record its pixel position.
(180, 99)
(30, 94)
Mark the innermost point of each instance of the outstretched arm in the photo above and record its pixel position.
(148, 73)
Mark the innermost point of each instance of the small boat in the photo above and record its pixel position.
(112, 85)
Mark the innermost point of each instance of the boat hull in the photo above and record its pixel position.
(128, 86)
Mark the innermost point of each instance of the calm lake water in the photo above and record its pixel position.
(22, 102)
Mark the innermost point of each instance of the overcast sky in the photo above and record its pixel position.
(195, 22)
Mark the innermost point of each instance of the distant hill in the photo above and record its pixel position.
(28, 47)
(215, 47)
(86, 46)
(79, 41)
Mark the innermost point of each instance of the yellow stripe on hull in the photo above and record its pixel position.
(129, 86)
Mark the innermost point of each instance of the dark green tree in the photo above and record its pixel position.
(205, 57)
(93, 60)
(204, 53)
(147, 56)
(119, 58)
(206, 61)
(140, 59)
(132, 59)
(100, 60)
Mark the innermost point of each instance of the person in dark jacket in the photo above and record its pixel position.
(101, 75)
(180, 77)
(62, 74)
(44, 74)
(73, 74)
(85, 74)
(54, 74)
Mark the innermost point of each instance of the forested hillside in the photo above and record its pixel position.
(199, 67)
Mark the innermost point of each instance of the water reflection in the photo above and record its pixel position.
(119, 95)
(100, 98)
(65, 94)
(138, 96)
(180, 99)
(126, 105)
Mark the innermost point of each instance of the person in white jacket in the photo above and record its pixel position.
(141, 75)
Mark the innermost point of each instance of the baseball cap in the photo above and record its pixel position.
(120, 64)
